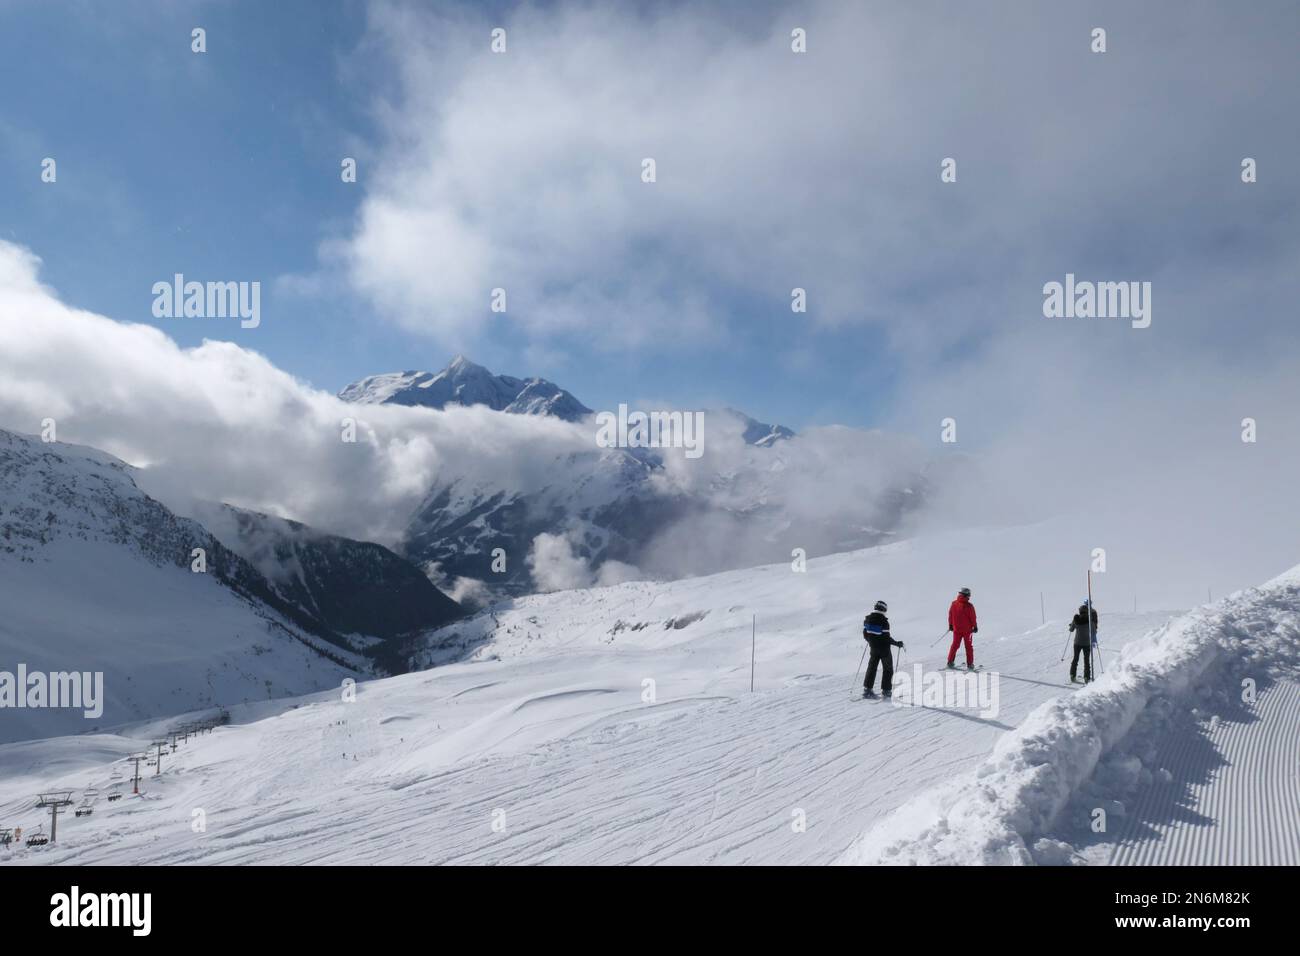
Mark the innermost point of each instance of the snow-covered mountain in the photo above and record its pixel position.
(464, 383)
(95, 575)
(617, 725)
(761, 433)
(615, 512)
(355, 588)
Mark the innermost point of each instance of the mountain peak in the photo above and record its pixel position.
(463, 382)
(760, 433)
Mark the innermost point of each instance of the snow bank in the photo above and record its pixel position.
(998, 814)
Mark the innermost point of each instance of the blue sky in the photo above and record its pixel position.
(226, 166)
(220, 165)
(776, 170)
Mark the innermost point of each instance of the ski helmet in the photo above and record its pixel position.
(882, 607)
(965, 591)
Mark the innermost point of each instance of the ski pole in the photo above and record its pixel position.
(1068, 638)
(941, 637)
(858, 671)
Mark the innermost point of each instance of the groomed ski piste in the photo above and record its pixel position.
(617, 726)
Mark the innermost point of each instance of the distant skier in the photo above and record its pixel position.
(1085, 639)
(962, 623)
(875, 631)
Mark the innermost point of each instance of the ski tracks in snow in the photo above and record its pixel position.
(1233, 793)
(702, 780)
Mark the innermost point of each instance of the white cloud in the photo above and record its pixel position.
(555, 566)
(219, 422)
(1055, 420)
(776, 170)
(523, 170)
(618, 572)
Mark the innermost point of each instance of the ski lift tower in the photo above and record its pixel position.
(55, 800)
(158, 745)
(135, 782)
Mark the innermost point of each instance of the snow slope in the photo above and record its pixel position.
(354, 588)
(1166, 728)
(540, 739)
(564, 746)
(95, 577)
(1228, 791)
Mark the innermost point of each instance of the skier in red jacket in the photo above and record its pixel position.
(962, 623)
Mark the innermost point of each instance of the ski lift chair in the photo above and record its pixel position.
(84, 810)
(38, 838)
(115, 793)
(6, 837)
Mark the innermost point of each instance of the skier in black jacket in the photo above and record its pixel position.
(875, 631)
(1085, 638)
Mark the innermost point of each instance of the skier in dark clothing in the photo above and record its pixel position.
(875, 631)
(1084, 628)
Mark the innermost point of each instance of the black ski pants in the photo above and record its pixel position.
(1087, 662)
(885, 659)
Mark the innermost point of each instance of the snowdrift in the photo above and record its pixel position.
(1005, 811)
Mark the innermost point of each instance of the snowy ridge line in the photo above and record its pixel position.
(996, 815)
(336, 655)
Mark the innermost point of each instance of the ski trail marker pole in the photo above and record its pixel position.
(753, 645)
(1092, 635)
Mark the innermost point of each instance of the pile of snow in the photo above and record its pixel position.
(1005, 811)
